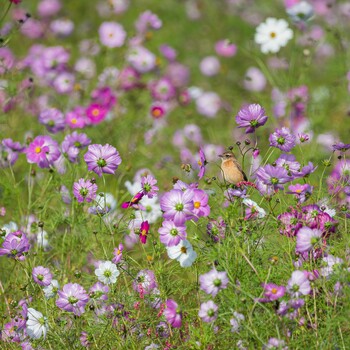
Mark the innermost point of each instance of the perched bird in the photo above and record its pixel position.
(231, 169)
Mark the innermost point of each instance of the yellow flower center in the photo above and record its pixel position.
(298, 191)
(273, 35)
(273, 290)
(183, 250)
(197, 204)
(143, 233)
(95, 112)
(156, 113)
(37, 149)
(73, 120)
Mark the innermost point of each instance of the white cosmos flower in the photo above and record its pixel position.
(36, 324)
(273, 34)
(301, 11)
(183, 253)
(107, 272)
(254, 207)
(51, 290)
(10, 227)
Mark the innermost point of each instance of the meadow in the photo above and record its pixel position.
(121, 224)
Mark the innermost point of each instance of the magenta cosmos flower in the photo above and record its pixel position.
(177, 206)
(112, 34)
(170, 234)
(84, 190)
(272, 292)
(213, 281)
(42, 276)
(208, 311)
(96, 113)
(102, 159)
(144, 229)
(43, 150)
(251, 117)
(283, 139)
(72, 298)
(173, 314)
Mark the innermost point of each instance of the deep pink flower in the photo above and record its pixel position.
(96, 113)
(134, 201)
(173, 314)
(102, 159)
(272, 292)
(144, 232)
(43, 150)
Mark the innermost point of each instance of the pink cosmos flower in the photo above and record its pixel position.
(102, 159)
(299, 284)
(72, 298)
(177, 206)
(84, 190)
(15, 245)
(145, 282)
(170, 234)
(272, 292)
(43, 150)
(118, 254)
(112, 34)
(173, 314)
(225, 48)
(200, 204)
(149, 187)
(307, 238)
(42, 276)
(213, 281)
(208, 311)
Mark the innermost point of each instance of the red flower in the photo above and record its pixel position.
(144, 231)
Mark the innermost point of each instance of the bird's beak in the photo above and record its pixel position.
(220, 155)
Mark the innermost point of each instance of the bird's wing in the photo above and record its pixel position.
(241, 170)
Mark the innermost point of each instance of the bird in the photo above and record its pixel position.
(231, 169)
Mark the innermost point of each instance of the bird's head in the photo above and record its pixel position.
(227, 155)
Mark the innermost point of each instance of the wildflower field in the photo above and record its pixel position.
(174, 174)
